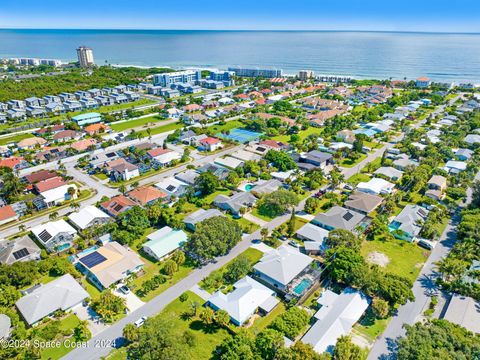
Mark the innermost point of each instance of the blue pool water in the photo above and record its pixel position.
(300, 288)
(249, 187)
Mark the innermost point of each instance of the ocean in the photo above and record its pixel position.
(397, 55)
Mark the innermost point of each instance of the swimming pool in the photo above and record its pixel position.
(300, 288)
(249, 187)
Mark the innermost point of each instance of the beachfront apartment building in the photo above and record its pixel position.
(85, 56)
(256, 72)
(187, 76)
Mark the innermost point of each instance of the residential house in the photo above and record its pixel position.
(35, 111)
(389, 172)
(210, 144)
(72, 105)
(463, 311)
(7, 214)
(172, 186)
(146, 195)
(363, 203)
(346, 136)
(31, 143)
(472, 139)
(423, 82)
(38, 176)
(16, 114)
(117, 205)
(63, 293)
(187, 177)
(55, 108)
(164, 242)
(376, 186)
(338, 217)
(248, 298)
(464, 154)
(313, 159)
(94, 129)
(67, 135)
(55, 235)
(234, 203)
(263, 187)
(109, 264)
(88, 216)
(274, 145)
(163, 157)
(455, 167)
(83, 145)
(217, 170)
(403, 162)
(229, 162)
(21, 249)
(279, 267)
(336, 317)
(121, 169)
(436, 187)
(14, 163)
(59, 194)
(409, 222)
(313, 238)
(200, 215)
(244, 155)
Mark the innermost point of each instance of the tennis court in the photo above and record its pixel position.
(241, 135)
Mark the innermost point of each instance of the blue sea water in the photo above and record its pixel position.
(443, 57)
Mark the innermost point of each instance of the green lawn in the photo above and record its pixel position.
(348, 163)
(229, 125)
(247, 226)
(164, 128)
(371, 327)
(101, 176)
(406, 259)
(262, 322)
(66, 324)
(256, 213)
(137, 123)
(208, 199)
(358, 178)
(207, 338)
(303, 134)
(14, 138)
(253, 255)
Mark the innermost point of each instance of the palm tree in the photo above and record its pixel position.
(75, 206)
(122, 188)
(53, 215)
(22, 228)
(134, 185)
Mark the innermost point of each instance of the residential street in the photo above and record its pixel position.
(423, 288)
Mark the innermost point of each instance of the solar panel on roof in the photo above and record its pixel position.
(170, 187)
(44, 236)
(117, 207)
(93, 259)
(20, 254)
(259, 148)
(348, 216)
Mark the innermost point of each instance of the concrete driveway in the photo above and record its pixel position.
(133, 302)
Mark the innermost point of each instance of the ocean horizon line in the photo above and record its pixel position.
(249, 30)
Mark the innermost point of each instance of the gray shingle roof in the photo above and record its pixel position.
(339, 218)
(283, 264)
(59, 294)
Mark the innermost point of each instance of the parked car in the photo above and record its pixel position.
(293, 243)
(140, 321)
(124, 289)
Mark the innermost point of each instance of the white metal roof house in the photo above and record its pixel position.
(282, 265)
(164, 241)
(58, 195)
(454, 167)
(248, 297)
(88, 216)
(60, 294)
(463, 311)
(376, 186)
(335, 318)
(55, 235)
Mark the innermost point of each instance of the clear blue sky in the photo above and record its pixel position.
(397, 15)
